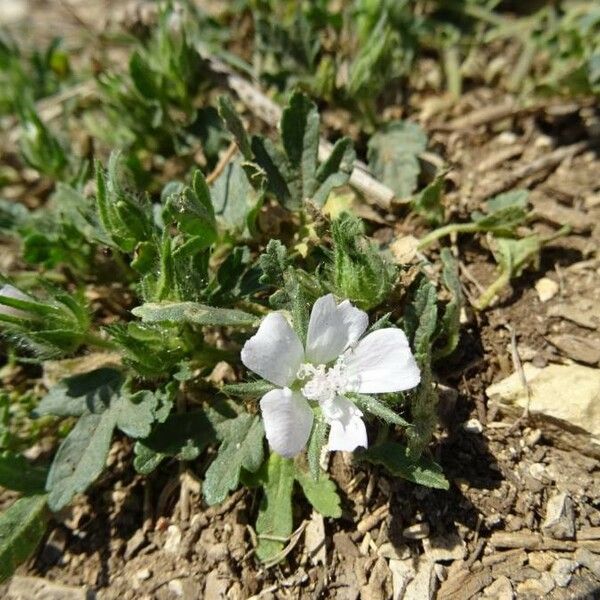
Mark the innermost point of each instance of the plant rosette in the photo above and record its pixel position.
(338, 360)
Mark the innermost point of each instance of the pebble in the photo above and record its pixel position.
(546, 289)
(143, 574)
(418, 531)
(562, 571)
(501, 589)
(473, 426)
(560, 518)
(588, 560)
(173, 540)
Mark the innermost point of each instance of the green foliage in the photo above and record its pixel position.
(241, 448)
(17, 474)
(22, 527)
(449, 325)
(399, 461)
(394, 156)
(428, 202)
(379, 409)
(359, 272)
(193, 312)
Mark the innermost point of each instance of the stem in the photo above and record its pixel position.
(93, 339)
(490, 293)
(436, 234)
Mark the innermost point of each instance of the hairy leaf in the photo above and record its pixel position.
(17, 474)
(396, 459)
(241, 447)
(80, 458)
(450, 322)
(379, 409)
(321, 493)
(315, 445)
(393, 156)
(248, 389)
(275, 512)
(22, 527)
(193, 312)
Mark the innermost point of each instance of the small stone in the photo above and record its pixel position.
(562, 571)
(404, 249)
(541, 561)
(424, 585)
(444, 548)
(173, 540)
(500, 589)
(473, 426)
(418, 531)
(176, 587)
(538, 470)
(560, 518)
(22, 588)
(215, 587)
(546, 289)
(143, 574)
(403, 572)
(589, 560)
(507, 138)
(217, 552)
(547, 582)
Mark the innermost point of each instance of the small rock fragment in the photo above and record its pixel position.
(546, 289)
(562, 571)
(173, 540)
(418, 531)
(560, 518)
(134, 544)
(424, 585)
(500, 589)
(29, 588)
(589, 560)
(215, 586)
(314, 539)
(473, 426)
(402, 573)
(404, 249)
(444, 548)
(578, 348)
(541, 561)
(143, 574)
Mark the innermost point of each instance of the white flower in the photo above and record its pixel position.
(10, 291)
(335, 361)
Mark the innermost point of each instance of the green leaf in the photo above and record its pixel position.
(234, 124)
(22, 527)
(321, 493)
(273, 263)
(88, 392)
(396, 459)
(377, 408)
(450, 322)
(421, 320)
(235, 199)
(183, 436)
(193, 312)
(393, 156)
(135, 413)
(80, 458)
(428, 202)
(315, 445)
(17, 474)
(241, 447)
(248, 389)
(335, 171)
(275, 517)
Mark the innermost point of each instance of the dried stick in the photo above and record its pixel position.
(227, 156)
(270, 112)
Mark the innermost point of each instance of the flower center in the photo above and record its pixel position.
(322, 383)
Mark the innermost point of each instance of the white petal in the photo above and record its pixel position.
(288, 420)
(383, 362)
(10, 291)
(274, 352)
(348, 431)
(332, 328)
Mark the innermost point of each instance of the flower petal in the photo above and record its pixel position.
(274, 352)
(382, 362)
(348, 431)
(288, 420)
(10, 291)
(332, 328)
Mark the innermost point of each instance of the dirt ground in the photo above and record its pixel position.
(522, 516)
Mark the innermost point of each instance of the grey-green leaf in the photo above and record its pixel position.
(80, 458)
(22, 527)
(275, 519)
(321, 493)
(75, 395)
(241, 447)
(17, 474)
(379, 409)
(393, 156)
(395, 458)
(193, 312)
